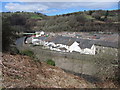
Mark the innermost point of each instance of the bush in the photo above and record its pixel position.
(14, 50)
(50, 62)
(28, 53)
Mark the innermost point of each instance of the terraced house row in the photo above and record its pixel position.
(70, 44)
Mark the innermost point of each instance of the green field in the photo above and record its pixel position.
(36, 17)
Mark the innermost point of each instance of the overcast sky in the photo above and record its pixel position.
(50, 7)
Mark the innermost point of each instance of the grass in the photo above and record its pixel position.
(88, 17)
(50, 62)
(31, 54)
(27, 52)
(36, 17)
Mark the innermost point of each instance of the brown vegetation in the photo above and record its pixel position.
(22, 72)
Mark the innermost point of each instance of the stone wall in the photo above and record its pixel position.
(101, 65)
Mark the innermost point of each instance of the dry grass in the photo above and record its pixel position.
(22, 72)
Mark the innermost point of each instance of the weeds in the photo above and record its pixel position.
(28, 53)
(51, 62)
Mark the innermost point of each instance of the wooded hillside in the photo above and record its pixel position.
(80, 21)
(95, 20)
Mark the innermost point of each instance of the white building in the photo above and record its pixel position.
(74, 47)
(35, 41)
(39, 33)
(90, 51)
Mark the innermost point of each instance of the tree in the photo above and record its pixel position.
(8, 36)
(96, 15)
(90, 12)
(17, 19)
(81, 18)
(106, 15)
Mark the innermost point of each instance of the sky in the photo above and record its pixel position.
(52, 7)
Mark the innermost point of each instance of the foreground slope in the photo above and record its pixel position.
(21, 72)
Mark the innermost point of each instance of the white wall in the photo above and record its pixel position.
(74, 47)
(90, 51)
(93, 48)
(38, 34)
(34, 40)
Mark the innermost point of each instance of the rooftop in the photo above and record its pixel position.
(84, 43)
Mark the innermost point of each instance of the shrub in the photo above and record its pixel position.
(27, 52)
(14, 50)
(96, 15)
(50, 62)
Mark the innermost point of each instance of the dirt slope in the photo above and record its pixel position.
(21, 72)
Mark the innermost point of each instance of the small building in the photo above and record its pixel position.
(39, 33)
(86, 46)
(106, 47)
(35, 41)
(74, 47)
(63, 42)
(91, 50)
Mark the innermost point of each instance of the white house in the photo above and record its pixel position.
(87, 47)
(39, 33)
(84, 48)
(90, 51)
(93, 48)
(74, 47)
(35, 41)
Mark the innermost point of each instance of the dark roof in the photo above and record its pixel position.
(43, 38)
(70, 42)
(84, 43)
(106, 43)
(64, 40)
(50, 39)
(62, 48)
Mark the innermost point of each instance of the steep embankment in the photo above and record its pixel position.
(21, 72)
